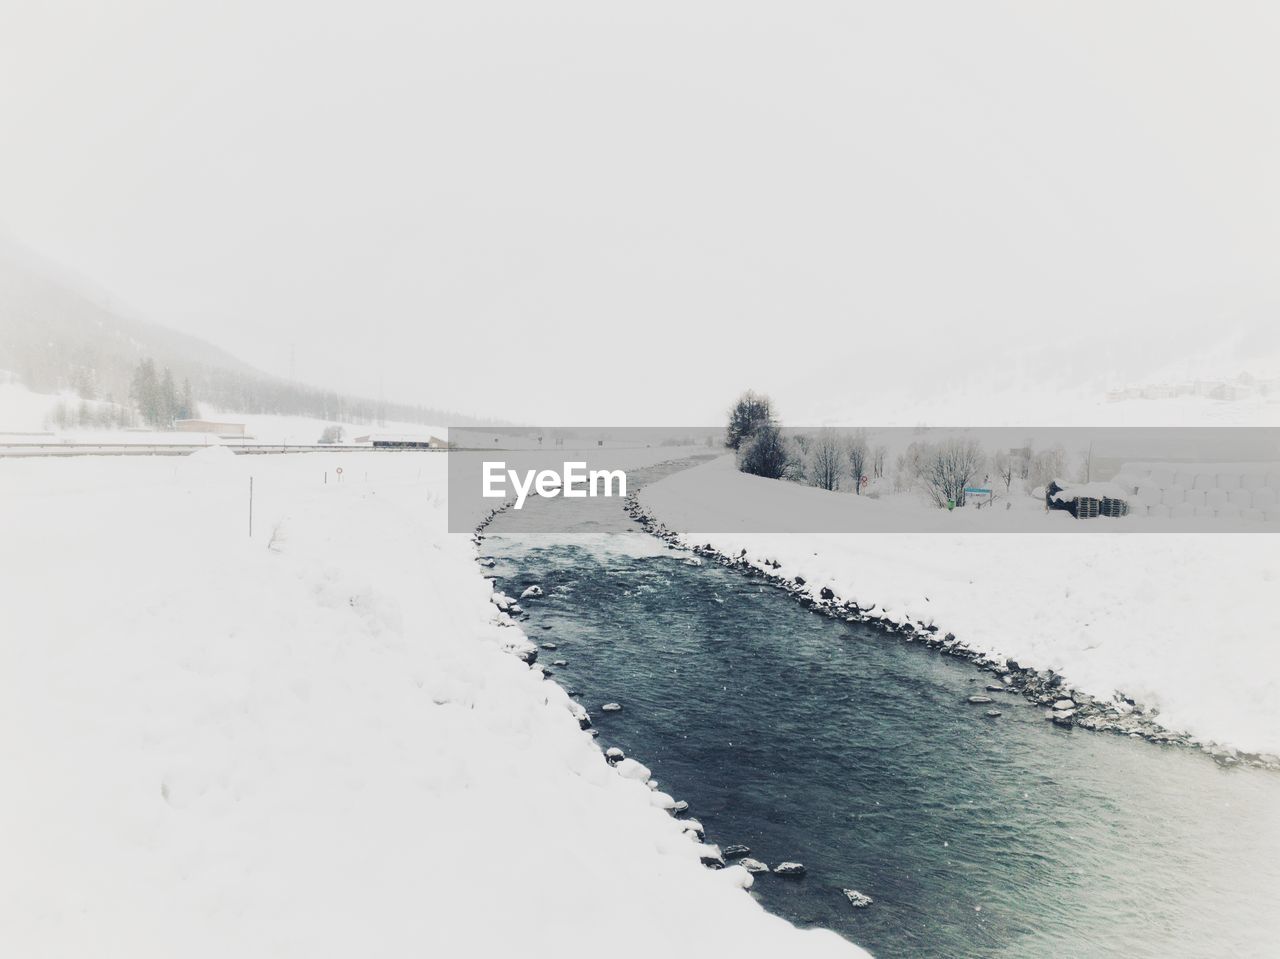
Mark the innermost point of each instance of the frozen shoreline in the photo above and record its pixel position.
(1125, 629)
(310, 742)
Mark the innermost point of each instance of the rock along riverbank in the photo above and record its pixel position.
(732, 857)
(1063, 704)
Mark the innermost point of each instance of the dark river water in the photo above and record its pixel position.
(831, 744)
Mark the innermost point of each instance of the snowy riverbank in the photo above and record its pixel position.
(1179, 622)
(309, 742)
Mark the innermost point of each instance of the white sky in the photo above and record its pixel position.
(596, 211)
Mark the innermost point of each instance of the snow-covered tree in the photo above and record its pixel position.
(145, 393)
(1047, 466)
(766, 453)
(751, 412)
(878, 456)
(857, 453)
(1005, 465)
(825, 463)
(946, 468)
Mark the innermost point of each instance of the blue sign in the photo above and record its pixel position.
(976, 491)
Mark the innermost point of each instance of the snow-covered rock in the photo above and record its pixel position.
(521, 648)
(710, 854)
(793, 869)
(630, 769)
(857, 899)
(737, 876)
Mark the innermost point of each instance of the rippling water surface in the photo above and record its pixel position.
(831, 744)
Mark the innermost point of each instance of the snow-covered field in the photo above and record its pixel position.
(1186, 623)
(309, 742)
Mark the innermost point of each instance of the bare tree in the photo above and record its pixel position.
(826, 460)
(858, 458)
(1024, 462)
(908, 466)
(948, 467)
(877, 460)
(1004, 464)
(1047, 465)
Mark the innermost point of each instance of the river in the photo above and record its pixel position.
(832, 744)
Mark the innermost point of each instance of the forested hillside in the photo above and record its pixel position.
(54, 339)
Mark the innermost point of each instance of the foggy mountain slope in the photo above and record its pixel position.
(56, 338)
(1076, 377)
(48, 330)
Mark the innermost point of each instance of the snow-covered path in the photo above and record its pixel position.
(307, 743)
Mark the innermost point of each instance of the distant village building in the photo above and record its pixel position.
(401, 441)
(209, 426)
(1242, 386)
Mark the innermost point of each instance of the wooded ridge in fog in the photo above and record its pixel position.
(54, 339)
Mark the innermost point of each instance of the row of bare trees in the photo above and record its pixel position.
(833, 460)
(836, 459)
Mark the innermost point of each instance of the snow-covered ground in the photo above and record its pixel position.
(1186, 623)
(309, 742)
(23, 411)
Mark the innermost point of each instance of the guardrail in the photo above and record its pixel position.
(183, 449)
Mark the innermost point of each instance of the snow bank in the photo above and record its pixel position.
(309, 742)
(1182, 622)
(214, 464)
(23, 411)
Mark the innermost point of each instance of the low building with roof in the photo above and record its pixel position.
(401, 441)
